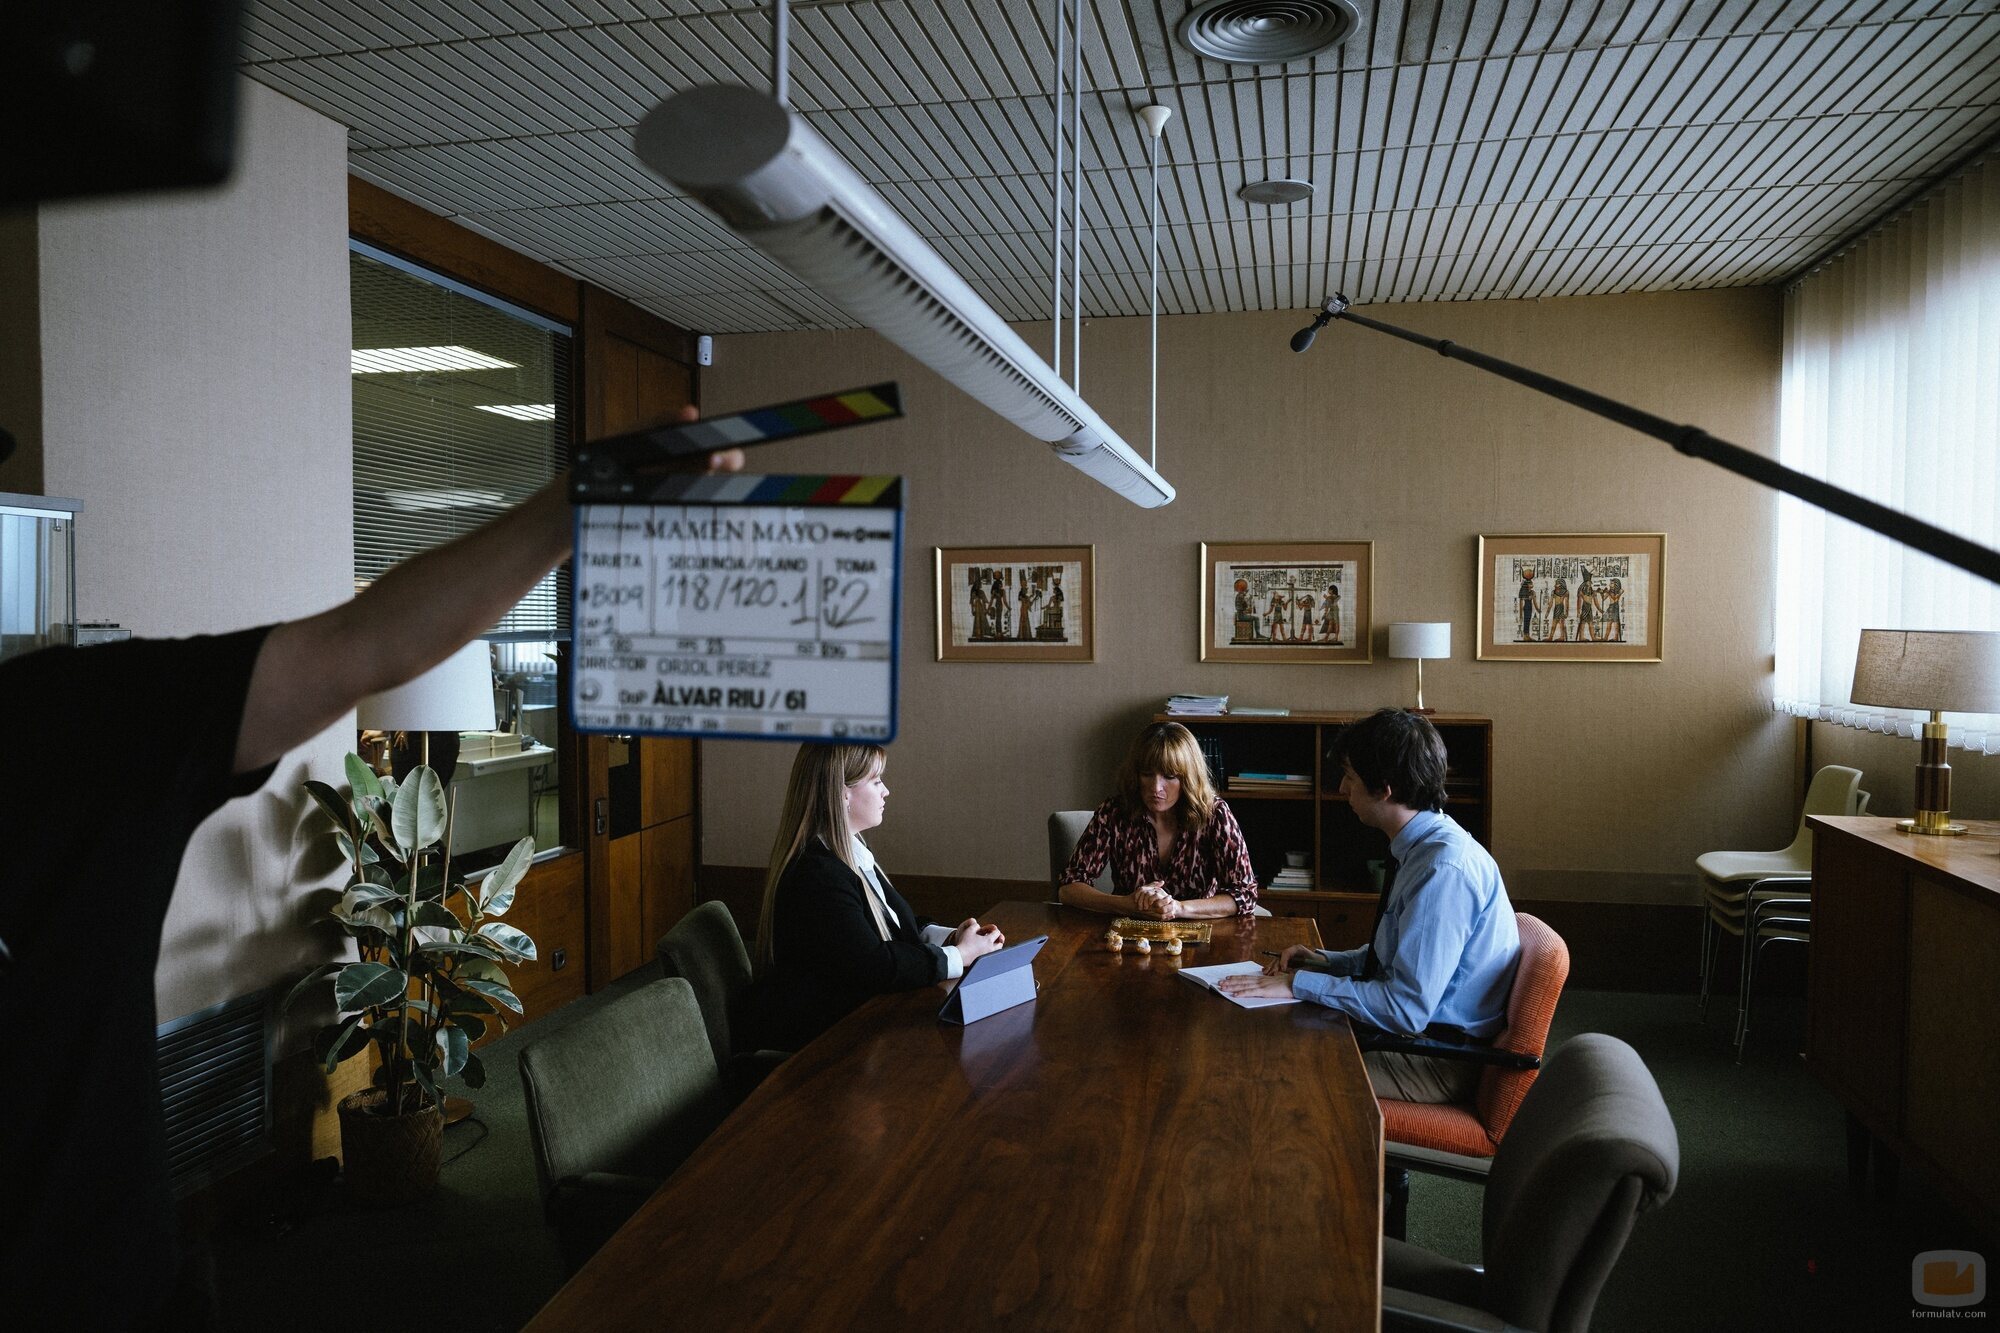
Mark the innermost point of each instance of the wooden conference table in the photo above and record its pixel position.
(1127, 1150)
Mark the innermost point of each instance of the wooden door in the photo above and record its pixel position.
(638, 371)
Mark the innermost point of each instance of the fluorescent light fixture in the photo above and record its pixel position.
(403, 360)
(450, 498)
(783, 188)
(521, 411)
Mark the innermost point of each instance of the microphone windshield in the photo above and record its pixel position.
(1304, 338)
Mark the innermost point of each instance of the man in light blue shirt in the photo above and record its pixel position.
(1442, 958)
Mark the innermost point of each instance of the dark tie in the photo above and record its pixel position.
(1370, 965)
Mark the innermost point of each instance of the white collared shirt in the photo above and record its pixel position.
(871, 878)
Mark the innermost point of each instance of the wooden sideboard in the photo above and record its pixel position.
(1903, 992)
(1314, 821)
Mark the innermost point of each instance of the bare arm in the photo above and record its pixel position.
(1092, 899)
(311, 671)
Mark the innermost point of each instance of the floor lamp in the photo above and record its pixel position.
(1944, 671)
(454, 695)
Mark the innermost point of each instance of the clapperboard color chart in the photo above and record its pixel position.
(729, 605)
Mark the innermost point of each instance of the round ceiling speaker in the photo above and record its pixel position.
(1266, 32)
(1275, 192)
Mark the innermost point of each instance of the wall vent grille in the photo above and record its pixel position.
(215, 1085)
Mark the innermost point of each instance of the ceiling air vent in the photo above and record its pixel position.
(1266, 32)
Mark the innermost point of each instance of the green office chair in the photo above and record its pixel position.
(616, 1100)
(1591, 1148)
(706, 949)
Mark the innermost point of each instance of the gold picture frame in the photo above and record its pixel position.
(1572, 597)
(1268, 602)
(1054, 588)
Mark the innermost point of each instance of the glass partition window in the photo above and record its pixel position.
(461, 411)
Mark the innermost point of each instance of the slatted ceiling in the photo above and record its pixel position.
(1458, 149)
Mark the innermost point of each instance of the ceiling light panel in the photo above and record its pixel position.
(408, 360)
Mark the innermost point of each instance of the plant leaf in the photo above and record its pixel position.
(470, 945)
(479, 966)
(421, 1069)
(362, 780)
(319, 973)
(369, 985)
(438, 915)
(496, 891)
(454, 1046)
(336, 1041)
(474, 1025)
(493, 990)
(329, 800)
(475, 1072)
(347, 848)
(370, 893)
(417, 815)
(513, 941)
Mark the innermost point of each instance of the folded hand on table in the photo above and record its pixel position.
(973, 940)
(1153, 900)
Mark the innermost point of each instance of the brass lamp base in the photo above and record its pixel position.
(1933, 785)
(1936, 824)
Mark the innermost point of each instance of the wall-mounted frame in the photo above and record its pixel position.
(1572, 597)
(1016, 603)
(1288, 602)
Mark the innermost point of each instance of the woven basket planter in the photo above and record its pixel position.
(388, 1159)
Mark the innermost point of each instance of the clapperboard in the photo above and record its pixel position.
(731, 605)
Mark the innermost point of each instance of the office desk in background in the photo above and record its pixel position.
(1129, 1150)
(1902, 994)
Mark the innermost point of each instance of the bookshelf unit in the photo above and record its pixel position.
(1314, 818)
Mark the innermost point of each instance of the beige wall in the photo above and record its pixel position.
(196, 398)
(1611, 779)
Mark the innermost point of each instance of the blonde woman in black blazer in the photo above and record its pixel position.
(833, 931)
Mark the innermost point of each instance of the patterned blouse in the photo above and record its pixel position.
(1214, 860)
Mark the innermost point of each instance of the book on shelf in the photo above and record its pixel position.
(1246, 710)
(1291, 879)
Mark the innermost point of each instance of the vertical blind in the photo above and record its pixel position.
(1891, 387)
(461, 411)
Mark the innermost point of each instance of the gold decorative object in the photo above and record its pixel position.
(1187, 932)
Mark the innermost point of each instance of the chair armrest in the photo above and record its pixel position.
(743, 1071)
(1375, 1039)
(1414, 1312)
(591, 1186)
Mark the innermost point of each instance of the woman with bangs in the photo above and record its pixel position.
(833, 931)
(1174, 848)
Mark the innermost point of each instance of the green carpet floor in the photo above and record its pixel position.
(1762, 1233)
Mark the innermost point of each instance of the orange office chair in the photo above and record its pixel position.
(1458, 1139)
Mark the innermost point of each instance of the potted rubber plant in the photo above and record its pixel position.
(427, 979)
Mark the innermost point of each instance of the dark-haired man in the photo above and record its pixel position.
(1442, 959)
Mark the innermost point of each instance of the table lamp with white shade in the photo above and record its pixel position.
(1943, 671)
(454, 695)
(1419, 640)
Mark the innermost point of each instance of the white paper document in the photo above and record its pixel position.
(1214, 972)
